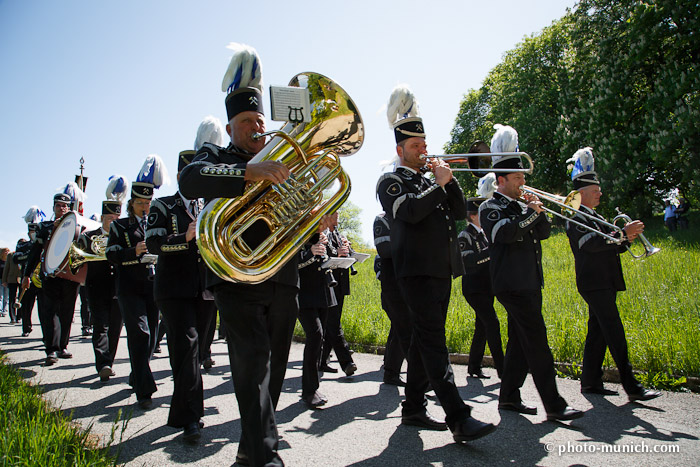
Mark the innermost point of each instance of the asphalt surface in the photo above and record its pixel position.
(360, 426)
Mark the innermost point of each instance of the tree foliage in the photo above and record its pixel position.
(620, 76)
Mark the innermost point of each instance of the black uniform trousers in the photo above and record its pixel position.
(528, 349)
(206, 327)
(605, 330)
(12, 289)
(399, 339)
(106, 328)
(259, 321)
(56, 312)
(140, 316)
(428, 299)
(334, 337)
(486, 329)
(85, 319)
(32, 294)
(180, 317)
(313, 320)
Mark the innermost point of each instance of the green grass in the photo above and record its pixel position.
(32, 433)
(660, 309)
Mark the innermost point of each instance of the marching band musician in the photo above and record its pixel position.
(333, 336)
(179, 289)
(514, 230)
(598, 279)
(57, 306)
(126, 249)
(316, 297)
(399, 338)
(26, 300)
(100, 282)
(477, 291)
(425, 254)
(259, 318)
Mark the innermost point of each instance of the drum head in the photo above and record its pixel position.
(56, 254)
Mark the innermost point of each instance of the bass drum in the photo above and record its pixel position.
(57, 252)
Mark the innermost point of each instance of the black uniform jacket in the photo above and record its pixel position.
(313, 291)
(475, 256)
(21, 254)
(422, 217)
(43, 234)
(597, 258)
(132, 274)
(514, 232)
(180, 269)
(382, 242)
(218, 173)
(100, 278)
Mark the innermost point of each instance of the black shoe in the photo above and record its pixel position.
(424, 420)
(200, 423)
(25, 334)
(105, 372)
(328, 369)
(350, 369)
(645, 395)
(315, 400)
(208, 363)
(478, 374)
(394, 379)
(598, 390)
(65, 354)
(157, 349)
(242, 458)
(567, 413)
(470, 429)
(146, 403)
(51, 358)
(192, 433)
(517, 407)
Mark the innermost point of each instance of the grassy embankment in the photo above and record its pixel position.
(33, 433)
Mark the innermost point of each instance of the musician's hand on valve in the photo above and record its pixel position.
(533, 202)
(141, 248)
(273, 171)
(443, 173)
(191, 231)
(633, 229)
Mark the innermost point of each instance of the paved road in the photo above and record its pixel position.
(361, 424)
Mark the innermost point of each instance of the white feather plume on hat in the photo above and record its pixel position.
(582, 161)
(487, 185)
(402, 104)
(244, 70)
(210, 131)
(504, 140)
(153, 171)
(73, 190)
(34, 215)
(117, 188)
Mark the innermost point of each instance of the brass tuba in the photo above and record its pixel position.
(248, 239)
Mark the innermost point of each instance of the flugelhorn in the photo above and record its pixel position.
(571, 204)
(249, 238)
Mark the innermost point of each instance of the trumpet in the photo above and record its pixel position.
(480, 163)
(572, 202)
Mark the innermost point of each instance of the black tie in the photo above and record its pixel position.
(194, 207)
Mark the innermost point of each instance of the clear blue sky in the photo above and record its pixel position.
(115, 81)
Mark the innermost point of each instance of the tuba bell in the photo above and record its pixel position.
(248, 239)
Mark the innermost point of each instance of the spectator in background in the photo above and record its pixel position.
(681, 211)
(4, 291)
(10, 279)
(670, 216)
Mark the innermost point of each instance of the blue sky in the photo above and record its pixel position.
(115, 81)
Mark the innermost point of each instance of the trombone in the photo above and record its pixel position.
(480, 163)
(572, 203)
